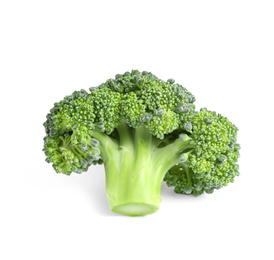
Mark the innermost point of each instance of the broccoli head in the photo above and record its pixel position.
(144, 130)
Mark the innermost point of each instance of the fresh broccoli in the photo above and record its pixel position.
(144, 130)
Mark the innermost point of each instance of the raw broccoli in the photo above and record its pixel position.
(144, 130)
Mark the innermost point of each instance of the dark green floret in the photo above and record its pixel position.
(144, 130)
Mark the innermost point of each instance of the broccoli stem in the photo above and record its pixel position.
(186, 167)
(135, 169)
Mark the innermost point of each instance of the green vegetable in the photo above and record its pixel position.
(144, 130)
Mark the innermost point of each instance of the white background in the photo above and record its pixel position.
(222, 51)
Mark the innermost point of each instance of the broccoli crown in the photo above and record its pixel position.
(210, 161)
(197, 151)
(136, 98)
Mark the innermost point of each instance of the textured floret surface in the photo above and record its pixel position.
(137, 98)
(212, 159)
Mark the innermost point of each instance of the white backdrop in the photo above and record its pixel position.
(222, 51)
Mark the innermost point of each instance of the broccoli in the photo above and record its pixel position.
(144, 130)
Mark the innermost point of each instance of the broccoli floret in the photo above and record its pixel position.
(144, 130)
(210, 159)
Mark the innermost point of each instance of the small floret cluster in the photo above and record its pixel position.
(211, 163)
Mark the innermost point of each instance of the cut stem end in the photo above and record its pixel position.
(135, 209)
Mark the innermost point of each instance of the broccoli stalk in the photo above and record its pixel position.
(135, 168)
(144, 130)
